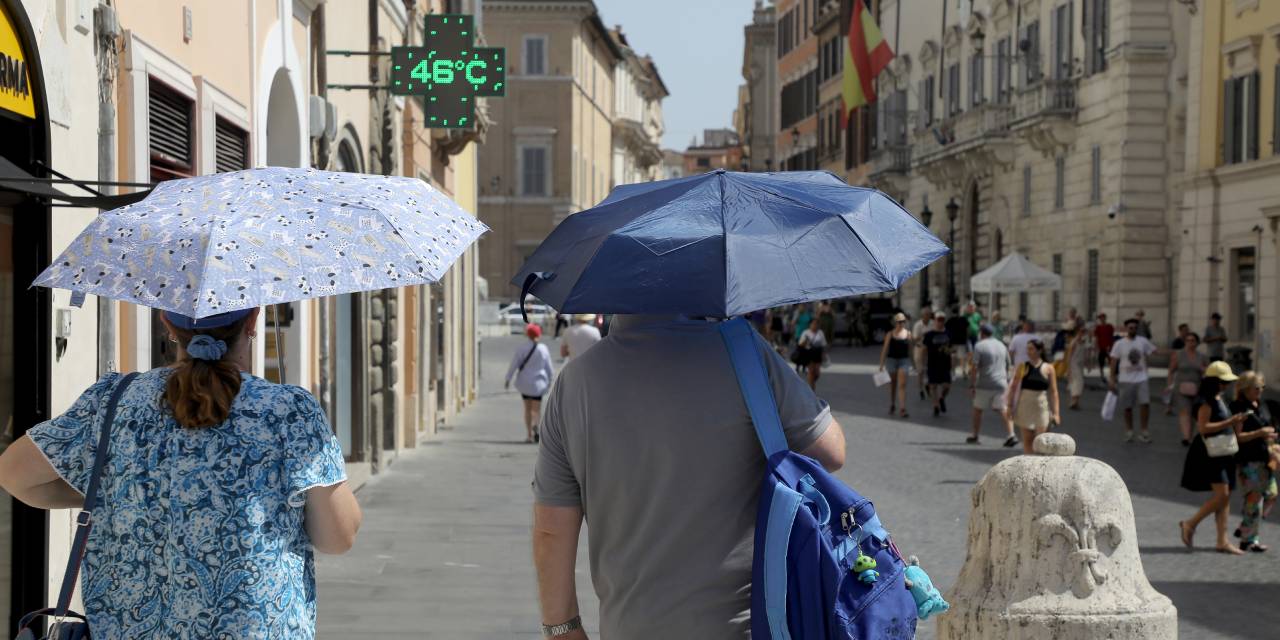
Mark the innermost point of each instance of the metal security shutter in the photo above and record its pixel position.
(169, 120)
(231, 147)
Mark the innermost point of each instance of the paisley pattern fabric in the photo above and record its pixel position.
(210, 244)
(199, 532)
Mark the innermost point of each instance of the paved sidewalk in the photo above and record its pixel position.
(444, 551)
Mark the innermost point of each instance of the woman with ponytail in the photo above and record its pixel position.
(216, 489)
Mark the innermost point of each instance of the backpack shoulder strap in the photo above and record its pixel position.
(753, 379)
(84, 520)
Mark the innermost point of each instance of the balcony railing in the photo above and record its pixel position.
(892, 158)
(980, 124)
(1048, 98)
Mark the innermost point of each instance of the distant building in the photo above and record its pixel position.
(1229, 221)
(672, 165)
(637, 115)
(796, 140)
(550, 152)
(756, 118)
(720, 149)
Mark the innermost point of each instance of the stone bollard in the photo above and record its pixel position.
(1053, 553)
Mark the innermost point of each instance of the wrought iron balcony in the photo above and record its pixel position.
(1049, 98)
(891, 158)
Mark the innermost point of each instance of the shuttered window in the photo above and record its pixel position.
(1062, 41)
(231, 147)
(976, 83)
(1031, 69)
(1097, 28)
(1095, 176)
(170, 131)
(1092, 285)
(952, 80)
(533, 171)
(1026, 190)
(1240, 119)
(535, 55)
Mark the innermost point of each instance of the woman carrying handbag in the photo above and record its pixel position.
(1210, 463)
(205, 494)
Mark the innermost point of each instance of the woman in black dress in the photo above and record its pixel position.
(1201, 472)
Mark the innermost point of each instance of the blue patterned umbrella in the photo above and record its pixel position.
(212, 244)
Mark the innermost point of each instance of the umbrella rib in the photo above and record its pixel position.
(208, 251)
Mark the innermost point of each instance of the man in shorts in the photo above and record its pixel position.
(937, 346)
(989, 382)
(918, 330)
(1129, 378)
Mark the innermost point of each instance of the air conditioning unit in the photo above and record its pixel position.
(323, 118)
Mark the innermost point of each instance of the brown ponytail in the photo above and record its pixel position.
(200, 391)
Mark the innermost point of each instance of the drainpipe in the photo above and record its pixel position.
(106, 28)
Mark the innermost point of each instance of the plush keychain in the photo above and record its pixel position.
(865, 566)
(928, 600)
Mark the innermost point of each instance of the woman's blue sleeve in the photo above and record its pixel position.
(313, 457)
(70, 440)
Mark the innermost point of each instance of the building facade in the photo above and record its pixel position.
(637, 115)
(796, 135)
(720, 149)
(1047, 127)
(140, 91)
(1229, 220)
(756, 118)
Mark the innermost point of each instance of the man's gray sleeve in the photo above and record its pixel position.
(553, 481)
(805, 416)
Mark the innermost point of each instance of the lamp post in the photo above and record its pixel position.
(953, 209)
(926, 218)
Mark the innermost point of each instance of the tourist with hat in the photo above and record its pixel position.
(895, 357)
(532, 370)
(578, 338)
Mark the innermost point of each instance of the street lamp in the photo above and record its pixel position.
(795, 136)
(926, 216)
(953, 210)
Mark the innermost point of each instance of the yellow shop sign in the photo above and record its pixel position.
(15, 74)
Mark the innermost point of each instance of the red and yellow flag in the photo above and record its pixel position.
(866, 56)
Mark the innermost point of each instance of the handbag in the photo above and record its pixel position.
(67, 624)
(1109, 406)
(1222, 445)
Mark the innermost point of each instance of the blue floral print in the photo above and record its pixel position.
(199, 532)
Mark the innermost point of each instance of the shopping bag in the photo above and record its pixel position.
(1109, 406)
(881, 378)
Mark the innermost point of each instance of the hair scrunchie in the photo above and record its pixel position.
(206, 347)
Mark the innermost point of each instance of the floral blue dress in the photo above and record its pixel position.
(199, 532)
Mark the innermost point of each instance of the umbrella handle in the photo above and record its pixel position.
(528, 285)
(275, 313)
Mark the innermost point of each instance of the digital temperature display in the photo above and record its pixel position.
(448, 71)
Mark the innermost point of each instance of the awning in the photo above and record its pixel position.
(1015, 274)
(15, 179)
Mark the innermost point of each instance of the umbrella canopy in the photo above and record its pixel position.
(212, 244)
(1013, 274)
(723, 244)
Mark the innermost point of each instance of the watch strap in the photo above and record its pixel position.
(553, 630)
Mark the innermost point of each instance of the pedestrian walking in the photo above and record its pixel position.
(813, 344)
(214, 489)
(958, 332)
(562, 323)
(1018, 345)
(1104, 335)
(1144, 325)
(989, 383)
(938, 362)
(1179, 340)
(532, 369)
(827, 320)
(578, 338)
(921, 327)
(862, 322)
(1033, 400)
(1215, 338)
(1205, 470)
(974, 317)
(997, 326)
(895, 357)
(658, 406)
(803, 315)
(1129, 379)
(1257, 474)
(1077, 357)
(1186, 368)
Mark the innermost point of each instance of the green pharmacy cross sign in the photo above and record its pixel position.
(448, 72)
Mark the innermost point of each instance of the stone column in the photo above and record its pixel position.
(1053, 553)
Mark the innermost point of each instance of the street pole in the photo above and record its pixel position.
(105, 30)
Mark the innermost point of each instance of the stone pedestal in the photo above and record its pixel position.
(1053, 554)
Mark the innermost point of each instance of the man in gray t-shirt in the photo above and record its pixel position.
(989, 382)
(647, 436)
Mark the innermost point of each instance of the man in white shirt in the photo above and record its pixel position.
(921, 327)
(1129, 378)
(578, 338)
(1018, 344)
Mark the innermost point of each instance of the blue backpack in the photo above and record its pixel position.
(811, 531)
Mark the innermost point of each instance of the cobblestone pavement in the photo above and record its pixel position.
(444, 552)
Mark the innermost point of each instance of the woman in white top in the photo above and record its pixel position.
(532, 369)
(814, 344)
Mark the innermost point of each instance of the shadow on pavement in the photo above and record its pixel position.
(1253, 616)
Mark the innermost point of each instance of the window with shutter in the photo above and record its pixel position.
(1026, 190)
(1091, 302)
(953, 90)
(170, 132)
(535, 55)
(533, 171)
(1230, 122)
(1251, 115)
(1031, 65)
(1004, 70)
(1095, 178)
(231, 147)
(1062, 42)
(976, 88)
(1275, 114)
(1059, 182)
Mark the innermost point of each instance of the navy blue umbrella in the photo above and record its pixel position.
(723, 244)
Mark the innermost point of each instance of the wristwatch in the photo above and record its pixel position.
(553, 630)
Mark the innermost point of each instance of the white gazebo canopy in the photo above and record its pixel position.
(1014, 274)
